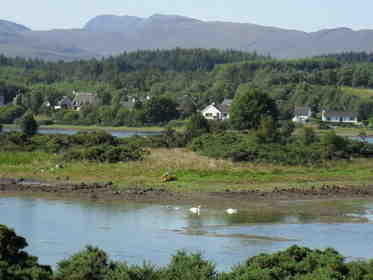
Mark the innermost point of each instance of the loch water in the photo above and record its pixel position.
(56, 229)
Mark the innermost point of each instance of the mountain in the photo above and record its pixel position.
(109, 35)
(11, 27)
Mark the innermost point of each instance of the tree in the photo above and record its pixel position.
(16, 264)
(250, 106)
(90, 264)
(28, 124)
(268, 131)
(160, 110)
(197, 126)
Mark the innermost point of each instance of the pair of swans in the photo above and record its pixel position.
(197, 210)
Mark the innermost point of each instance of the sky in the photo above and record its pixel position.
(306, 15)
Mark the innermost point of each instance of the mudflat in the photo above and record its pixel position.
(106, 191)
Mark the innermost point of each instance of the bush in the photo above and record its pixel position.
(270, 146)
(294, 263)
(89, 264)
(28, 124)
(16, 264)
(93, 138)
(189, 266)
(45, 122)
(197, 125)
(8, 114)
(106, 153)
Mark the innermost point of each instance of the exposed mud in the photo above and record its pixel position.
(107, 191)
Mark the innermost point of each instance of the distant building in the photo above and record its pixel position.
(302, 114)
(83, 99)
(2, 100)
(339, 117)
(64, 103)
(217, 112)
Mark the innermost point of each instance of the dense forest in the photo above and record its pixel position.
(184, 80)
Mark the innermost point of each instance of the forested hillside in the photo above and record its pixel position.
(191, 79)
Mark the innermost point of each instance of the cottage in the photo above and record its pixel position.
(339, 117)
(217, 112)
(84, 98)
(64, 103)
(2, 100)
(302, 114)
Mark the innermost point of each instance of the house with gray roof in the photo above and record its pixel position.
(217, 111)
(64, 103)
(84, 99)
(302, 114)
(339, 117)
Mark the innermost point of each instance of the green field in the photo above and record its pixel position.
(193, 172)
(360, 92)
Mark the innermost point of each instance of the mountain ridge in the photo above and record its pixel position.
(106, 35)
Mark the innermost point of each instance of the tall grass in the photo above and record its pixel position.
(193, 172)
(22, 158)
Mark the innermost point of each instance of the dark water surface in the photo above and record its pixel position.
(55, 229)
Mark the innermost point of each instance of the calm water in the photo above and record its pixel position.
(136, 232)
(120, 134)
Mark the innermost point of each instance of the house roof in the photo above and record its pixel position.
(82, 98)
(223, 108)
(227, 102)
(65, 101)
(301, 110)
(340, 114)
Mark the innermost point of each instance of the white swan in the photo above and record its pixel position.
(231, 211)
(195, 210)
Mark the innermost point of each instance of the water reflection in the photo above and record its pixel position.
(138, 232)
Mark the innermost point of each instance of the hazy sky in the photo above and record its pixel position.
(307, 15)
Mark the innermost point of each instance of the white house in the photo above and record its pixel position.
(217, 112)
(84, 99)
(339, 117)
(302, 114)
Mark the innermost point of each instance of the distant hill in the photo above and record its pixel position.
(11, 27)
(110, 35)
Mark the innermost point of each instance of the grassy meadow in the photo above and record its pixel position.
(359, 92)
(193, 172)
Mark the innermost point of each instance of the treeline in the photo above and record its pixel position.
(295, 263)
(192, 79)
(351, 57)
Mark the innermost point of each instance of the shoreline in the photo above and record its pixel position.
(105, 192)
